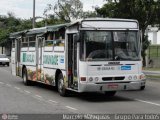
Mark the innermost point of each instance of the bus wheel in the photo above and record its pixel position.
(25, 78)
(61, 88)
(142, 88)
(110, 93)
(7, 64)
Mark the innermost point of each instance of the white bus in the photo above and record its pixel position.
(90, 55)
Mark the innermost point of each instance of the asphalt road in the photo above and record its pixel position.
(151, 72)
(41, 99)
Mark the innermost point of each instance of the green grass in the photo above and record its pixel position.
(154, 51)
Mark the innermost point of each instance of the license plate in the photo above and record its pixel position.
(112, 86)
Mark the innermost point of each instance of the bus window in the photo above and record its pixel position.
(24, 42)
(59, 38)
(32, 41)
(13, 43)
(49, 39)
(126, 45)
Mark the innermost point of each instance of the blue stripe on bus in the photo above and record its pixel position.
(125, 67)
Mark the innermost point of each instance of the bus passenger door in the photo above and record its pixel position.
(72, 62)
(15, 58)
(39, 58)
(18, 53)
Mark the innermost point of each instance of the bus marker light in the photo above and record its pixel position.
(83, 78)
(135, 77)
(130, 77)
(96, 79)
(142, 77)
(90, 79)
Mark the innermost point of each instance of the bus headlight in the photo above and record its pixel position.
(135, 77)
(130, 77)
(142, 77)
(83, 78)
(96, 79)
(90, 79)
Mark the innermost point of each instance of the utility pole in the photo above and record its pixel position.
(46, 20)
(33, 20)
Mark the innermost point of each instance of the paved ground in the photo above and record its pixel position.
(40, 99)
(151, 72)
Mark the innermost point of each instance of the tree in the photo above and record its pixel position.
(24, 24)
(89, 14)
(10, 24)
(66, 10)
(145, 11)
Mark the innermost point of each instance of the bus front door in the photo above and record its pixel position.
(72, 62)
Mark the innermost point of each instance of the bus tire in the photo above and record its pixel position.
(61, 88)
(25, 78)
(142, 88)
(110, 93)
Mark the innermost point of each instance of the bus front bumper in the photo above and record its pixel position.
(114, 86)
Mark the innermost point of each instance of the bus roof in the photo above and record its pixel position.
(109, 24)
(111, 19)
(104, 19)
(41, 30)
(17, 34)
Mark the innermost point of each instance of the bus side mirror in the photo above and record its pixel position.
(76, 37)
(140, 35)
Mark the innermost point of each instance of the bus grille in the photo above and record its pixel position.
(112, 78)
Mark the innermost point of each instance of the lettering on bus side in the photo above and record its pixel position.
(125, 67)
(28, 57)
(106, 68)
(113, 63)
(50, 59)
(61, 59)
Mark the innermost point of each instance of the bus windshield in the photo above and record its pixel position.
(110, 45)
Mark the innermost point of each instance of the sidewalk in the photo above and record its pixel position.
(148, 72)
(152, 75)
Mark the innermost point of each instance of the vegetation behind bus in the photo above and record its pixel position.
(10, 24)
(145, 11)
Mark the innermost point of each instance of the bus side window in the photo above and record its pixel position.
(13, 43)
(32, 41)
(25, 42)
(49, 39)
(59, 37)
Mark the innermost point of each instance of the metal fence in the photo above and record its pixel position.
(154, 51)
(153, 55)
